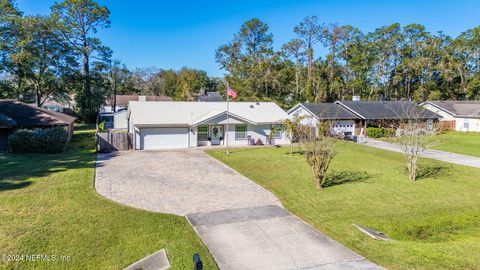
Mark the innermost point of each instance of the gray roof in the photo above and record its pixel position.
(387, 110)
(211, 97)
(330, 111)
(459, 108)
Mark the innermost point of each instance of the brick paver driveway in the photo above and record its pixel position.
(176, 182)
(243, 225)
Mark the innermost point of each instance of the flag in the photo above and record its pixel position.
(231, 93)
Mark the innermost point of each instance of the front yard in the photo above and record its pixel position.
(435, 221)
(48, 206)
(466, 143)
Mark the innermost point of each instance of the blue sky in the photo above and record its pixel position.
(172, 34)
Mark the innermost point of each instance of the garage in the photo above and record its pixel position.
(163, 138)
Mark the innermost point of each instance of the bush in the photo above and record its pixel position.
(23, 141)
(374, 132)
(52, 140)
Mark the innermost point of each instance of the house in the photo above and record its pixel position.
(352, 117)
(17, 115)
(164, 125)
(457, 115)
(211, 97)
(344, 121)
(123, 100)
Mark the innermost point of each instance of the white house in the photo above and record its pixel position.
(464, 115)
(167, 125)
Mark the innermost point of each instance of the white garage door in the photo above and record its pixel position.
(163, 138)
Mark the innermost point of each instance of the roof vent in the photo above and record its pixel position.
(251, 106)
(258, 103)
(142, 98)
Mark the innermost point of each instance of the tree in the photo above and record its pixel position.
(44, 57)
(310, 31)
(80, 20)
(414, 135)
(319, 152)
(293, 130)
(294, 50)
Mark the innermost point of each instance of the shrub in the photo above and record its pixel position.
(52, 140)
(23, 141)
(374, 132)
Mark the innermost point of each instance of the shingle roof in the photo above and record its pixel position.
(330, 111)
(27, 115)
(387, 110)
(187, 113)
(122, 100)
(211, 97)
(459, 108)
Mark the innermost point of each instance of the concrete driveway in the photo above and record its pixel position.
(243, 225)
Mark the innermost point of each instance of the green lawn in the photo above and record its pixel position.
(48, 205)
(466, 143)
(435, 221)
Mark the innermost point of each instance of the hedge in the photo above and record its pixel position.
(374, 132)
(51, 140)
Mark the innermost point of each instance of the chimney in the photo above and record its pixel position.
(356, 98)
(142, 98)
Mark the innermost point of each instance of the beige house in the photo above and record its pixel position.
(460, 115)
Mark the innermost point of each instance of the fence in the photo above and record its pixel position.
(110, 141)
(447, 125)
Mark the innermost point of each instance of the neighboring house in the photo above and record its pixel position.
(163, 125)
(17, 115)
(123, 100)
(211, 97)
(352, 117)
(461, 115)
(344, 121)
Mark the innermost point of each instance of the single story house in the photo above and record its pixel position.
(123, 100)
(457, 115)
(352, 117)
(167, 125)
(344, 121)
(17, 115)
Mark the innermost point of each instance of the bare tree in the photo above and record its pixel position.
(319, 151)
(416, 128)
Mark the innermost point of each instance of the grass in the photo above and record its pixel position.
(465, 143)
(48, 205)
(435, 221)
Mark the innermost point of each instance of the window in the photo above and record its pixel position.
(466, 123)
(202, 133)
(240, 132)
(276, 131)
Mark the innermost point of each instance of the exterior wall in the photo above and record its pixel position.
(120, 120)
(309, 120)
(445, 116)
(192, 137)
(473, 123)
(110, 108)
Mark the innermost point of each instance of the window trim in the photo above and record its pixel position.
(237, 137)
(198, 133)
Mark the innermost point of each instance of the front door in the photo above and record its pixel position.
(217, 134)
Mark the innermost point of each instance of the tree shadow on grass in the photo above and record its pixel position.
(338, 178)
(433, 171)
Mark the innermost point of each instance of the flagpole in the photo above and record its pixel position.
(228, 118)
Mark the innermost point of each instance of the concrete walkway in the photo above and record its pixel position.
(429, 153)
(243, 225)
